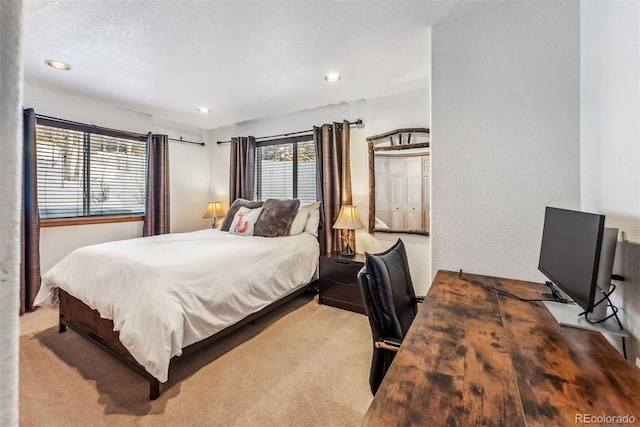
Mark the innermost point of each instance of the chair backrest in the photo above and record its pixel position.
(387, 292)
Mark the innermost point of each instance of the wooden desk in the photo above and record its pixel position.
(473, 357)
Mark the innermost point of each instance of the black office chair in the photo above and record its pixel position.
(390, 303)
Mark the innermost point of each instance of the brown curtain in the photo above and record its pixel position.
(243, 153)
(156, 217)
(333, 176)
(30, 234)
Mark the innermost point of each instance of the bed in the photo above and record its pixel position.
(149, 300)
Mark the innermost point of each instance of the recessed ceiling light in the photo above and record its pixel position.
(332, 77)
(57, 65)
(204, 110)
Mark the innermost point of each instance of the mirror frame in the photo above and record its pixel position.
(399, 144)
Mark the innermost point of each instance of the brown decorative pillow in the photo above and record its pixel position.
(237, 204)
(276, 217)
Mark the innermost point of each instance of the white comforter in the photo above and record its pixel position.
(166, 292)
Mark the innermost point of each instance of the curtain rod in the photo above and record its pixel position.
(357, 123)
(85, 125)
(185, 141)
(123, 132)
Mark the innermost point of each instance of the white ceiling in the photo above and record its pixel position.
(243, 59)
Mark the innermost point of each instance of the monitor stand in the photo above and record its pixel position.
(569, 315)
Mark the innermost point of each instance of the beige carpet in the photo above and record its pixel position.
(302, 365)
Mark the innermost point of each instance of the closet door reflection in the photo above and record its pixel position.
(399, 192)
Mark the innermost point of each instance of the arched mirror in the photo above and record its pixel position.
(399, 174)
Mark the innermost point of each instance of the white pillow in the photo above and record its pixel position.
(299, 223)
(244, 221)
(314, 217)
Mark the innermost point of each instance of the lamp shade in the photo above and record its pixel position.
(214, 210)
(348, 219)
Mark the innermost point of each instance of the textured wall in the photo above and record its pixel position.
(610, 139)
(10, 203)
(505, 116)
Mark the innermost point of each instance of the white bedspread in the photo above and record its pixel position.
(166, 292)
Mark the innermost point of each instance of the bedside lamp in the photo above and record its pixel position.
(214, 211)
(348, 221)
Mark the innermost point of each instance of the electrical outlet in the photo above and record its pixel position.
(638, 361)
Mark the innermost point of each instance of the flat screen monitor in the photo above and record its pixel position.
(570, 252)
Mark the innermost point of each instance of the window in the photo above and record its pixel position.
(286, 170)
(88, 173)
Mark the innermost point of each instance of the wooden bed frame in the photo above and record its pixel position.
(87, 322)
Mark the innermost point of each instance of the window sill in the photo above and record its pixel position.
(59, 222)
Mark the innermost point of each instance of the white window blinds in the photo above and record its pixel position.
(286, 171)
(82, 173)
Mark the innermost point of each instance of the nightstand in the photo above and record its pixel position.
(339, 282)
